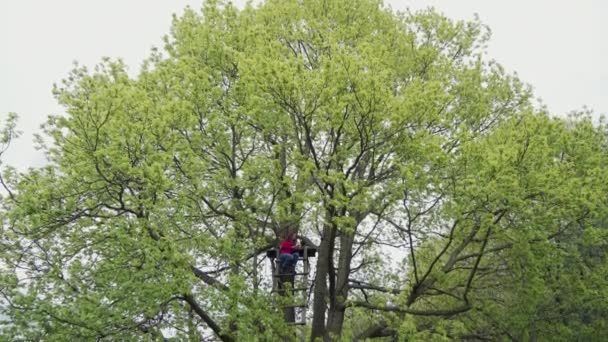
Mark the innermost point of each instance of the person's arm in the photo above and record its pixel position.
(296, 246)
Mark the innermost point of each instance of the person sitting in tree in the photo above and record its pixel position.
(288, 253)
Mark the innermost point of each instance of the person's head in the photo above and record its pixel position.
(292, 236)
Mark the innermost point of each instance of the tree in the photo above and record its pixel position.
(361, 128)
(526, 276)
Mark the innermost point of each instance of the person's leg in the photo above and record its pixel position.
(284, 260)
(294, 259)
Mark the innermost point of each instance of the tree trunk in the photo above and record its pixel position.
(320, 291)
(337, 308)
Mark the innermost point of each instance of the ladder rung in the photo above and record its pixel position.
(297, 305)
(296, 323)
(294, 289)
(290, 274)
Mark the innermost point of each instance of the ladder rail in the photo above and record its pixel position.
(299, 291)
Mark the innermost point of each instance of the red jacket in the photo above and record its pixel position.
(288, 247)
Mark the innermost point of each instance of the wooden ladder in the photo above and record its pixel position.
(295, 285)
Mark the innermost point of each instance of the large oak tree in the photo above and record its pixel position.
(441, 201)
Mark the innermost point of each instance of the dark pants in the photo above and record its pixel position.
(288, 260)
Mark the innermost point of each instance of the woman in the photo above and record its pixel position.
(288, 253)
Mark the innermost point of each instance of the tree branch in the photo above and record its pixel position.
(206, 318)
(361, 285)
(375, 331)
(393, 308)
(208, 279)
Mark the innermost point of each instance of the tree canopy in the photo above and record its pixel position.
(443, 203)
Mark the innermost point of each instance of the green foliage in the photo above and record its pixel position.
(536, 279)
(383, 135)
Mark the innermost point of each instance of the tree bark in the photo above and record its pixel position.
(375, 331)
(338, 302)
(320, 291)
(207, 319)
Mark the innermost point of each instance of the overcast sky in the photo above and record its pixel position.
(559, 47)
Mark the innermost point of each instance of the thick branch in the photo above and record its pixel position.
(375, 331)
(393, 308)
(208, 279)
(360, 285)
(206, 318)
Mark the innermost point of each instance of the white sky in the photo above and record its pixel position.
(559, 47)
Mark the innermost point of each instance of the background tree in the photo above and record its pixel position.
(524, 277)
(378, 135)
